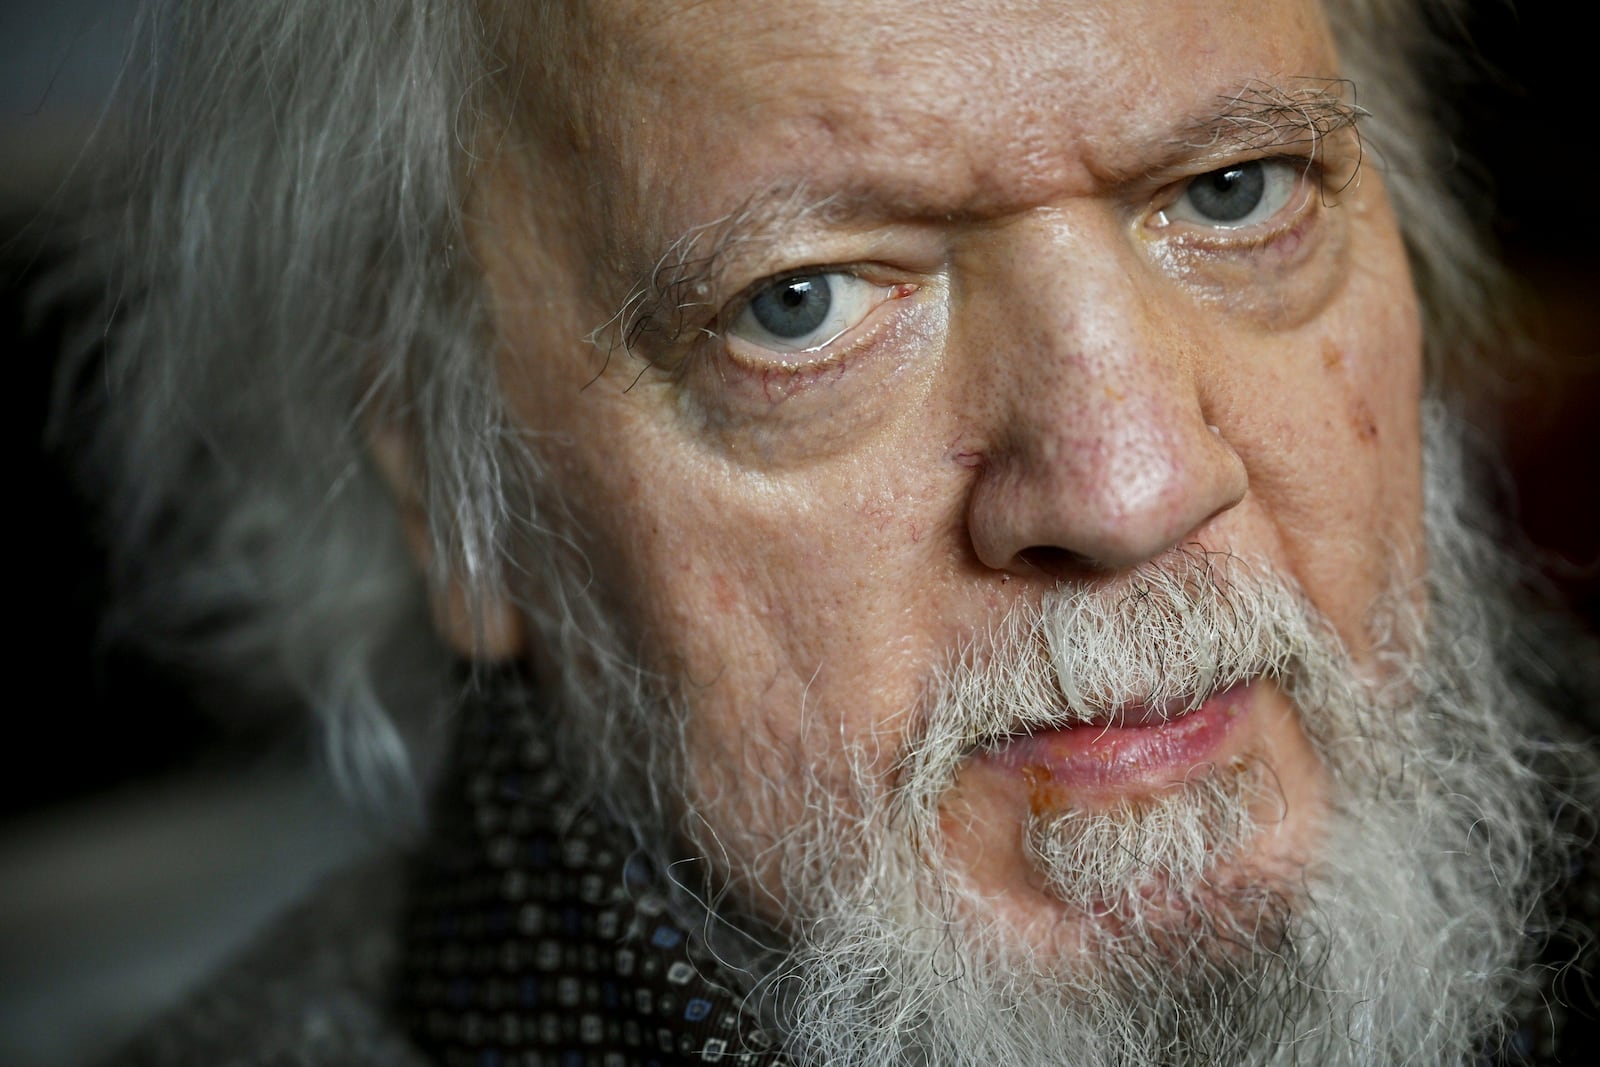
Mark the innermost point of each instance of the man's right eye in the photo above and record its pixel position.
(794, 308)
(806, 312)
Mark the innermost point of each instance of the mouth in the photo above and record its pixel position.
(1136, 748)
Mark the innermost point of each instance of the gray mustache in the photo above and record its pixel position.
(1160, 640)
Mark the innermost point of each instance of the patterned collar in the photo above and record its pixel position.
(534, 939)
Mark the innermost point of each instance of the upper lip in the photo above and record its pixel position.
(1125, 713)
(1145, 713)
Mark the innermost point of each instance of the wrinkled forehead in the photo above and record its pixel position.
(678, 113)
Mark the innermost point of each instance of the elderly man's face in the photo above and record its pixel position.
(911, 316)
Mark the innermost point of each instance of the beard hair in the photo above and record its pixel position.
(1401, 940)
(1113, 863)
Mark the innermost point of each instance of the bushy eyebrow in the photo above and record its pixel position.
(678, 292)
(1266, 114)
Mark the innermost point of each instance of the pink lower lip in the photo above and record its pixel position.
(1099, 758)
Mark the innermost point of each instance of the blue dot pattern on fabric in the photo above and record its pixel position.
(534, 937)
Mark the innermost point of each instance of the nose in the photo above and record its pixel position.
(1104, 445)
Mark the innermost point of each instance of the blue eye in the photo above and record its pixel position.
(1239, 195)
(1230, 194)
(793, 308)
(805, 312)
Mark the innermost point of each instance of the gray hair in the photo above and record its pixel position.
(284, 264)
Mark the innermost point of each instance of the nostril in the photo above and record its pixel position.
(1056, 562)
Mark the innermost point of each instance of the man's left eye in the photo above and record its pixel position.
(1238, 195)
(805, 312)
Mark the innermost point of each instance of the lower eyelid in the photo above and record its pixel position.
(749, 369)
(751, 356)
(1276, 274)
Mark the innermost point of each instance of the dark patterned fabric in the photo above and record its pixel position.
(534, 940)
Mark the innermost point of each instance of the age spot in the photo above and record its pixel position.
(1366, 426)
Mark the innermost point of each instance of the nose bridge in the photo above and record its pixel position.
(1092, 337)
(1101, 447)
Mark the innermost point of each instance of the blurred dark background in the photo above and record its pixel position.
(142, 837)
(1521, 127)
(109, 744)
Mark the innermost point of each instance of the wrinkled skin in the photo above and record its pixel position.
(1056, 375)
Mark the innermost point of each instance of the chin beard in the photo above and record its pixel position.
(1403, 938)
(1122, 864)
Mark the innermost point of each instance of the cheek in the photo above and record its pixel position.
(1372, 365)
(1326, 418)
(767, 597)
(794, 619)
(1367, 454)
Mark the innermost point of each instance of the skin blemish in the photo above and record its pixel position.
(962, 456)
(1366, 426)
(722, 591)
(879, 510)
(1044, 796)
(780, 383)
(969, 460)
(1332, 357)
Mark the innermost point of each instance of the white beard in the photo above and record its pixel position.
(1400, 945)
